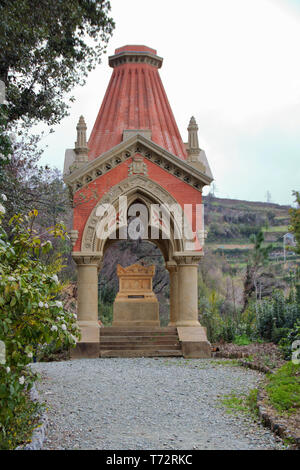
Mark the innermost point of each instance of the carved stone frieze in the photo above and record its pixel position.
(137, 145)
(136, 269)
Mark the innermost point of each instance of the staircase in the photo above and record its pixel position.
(139, 342)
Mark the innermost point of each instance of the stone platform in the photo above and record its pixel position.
(189, 342)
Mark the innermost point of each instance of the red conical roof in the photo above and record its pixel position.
(135, 99)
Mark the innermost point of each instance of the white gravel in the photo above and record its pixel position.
(146, 403)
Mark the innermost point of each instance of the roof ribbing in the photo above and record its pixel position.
(135, 99)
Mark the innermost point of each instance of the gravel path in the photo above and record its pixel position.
(144, 403)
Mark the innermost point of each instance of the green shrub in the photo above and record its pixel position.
(19, 429)
(30, 314)
(52, 352)
(107, 294)
(277, 314)
(106, 314)
(209, 315)
(225, 326)
(242, 340)
(285, 343)
(278, 334)
(284, 388)
(228, 330)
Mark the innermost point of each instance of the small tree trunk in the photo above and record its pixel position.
(249, 286)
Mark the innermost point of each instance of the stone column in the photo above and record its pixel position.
(87, 304)
(187, 314)
(173, 272)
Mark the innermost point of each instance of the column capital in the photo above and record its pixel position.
(171, 266)
(87, 258)
(187, 259)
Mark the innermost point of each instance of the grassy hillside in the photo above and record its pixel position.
(231, 222)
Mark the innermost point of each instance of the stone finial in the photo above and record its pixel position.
(195, 154)
(81, 148)
(73, 236)
(193, 145)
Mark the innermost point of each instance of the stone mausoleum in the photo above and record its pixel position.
(135, 151)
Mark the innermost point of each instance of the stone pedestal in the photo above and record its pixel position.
(135, 304)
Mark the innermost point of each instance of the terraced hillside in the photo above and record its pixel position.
(231, 222)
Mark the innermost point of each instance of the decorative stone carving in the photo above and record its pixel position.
(193, 144)
(193, 149)
(73, 236)
(181, 169)
(87, 258)
(137, 166)
(81, 148)
(187, 259)
(136, 269)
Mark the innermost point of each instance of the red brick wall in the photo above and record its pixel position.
(86, 198)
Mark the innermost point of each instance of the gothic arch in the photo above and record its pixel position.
(136, 188)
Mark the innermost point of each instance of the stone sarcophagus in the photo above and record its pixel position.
(135, 304)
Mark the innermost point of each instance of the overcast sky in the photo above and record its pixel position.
(232, 64)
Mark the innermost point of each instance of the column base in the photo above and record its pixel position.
(86, 351)
(89, 331)
(89, 345)
(194, 342)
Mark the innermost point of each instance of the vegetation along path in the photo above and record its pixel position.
(146, 403)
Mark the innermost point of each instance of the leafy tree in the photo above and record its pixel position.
(46, 48)
(30, 314)
(295, 221)
(26, 184)
(258, 258)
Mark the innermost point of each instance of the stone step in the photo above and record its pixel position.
(125, 345)
(139, 342)
(140, 353)
(137, 331)
(143, 339)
